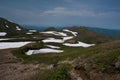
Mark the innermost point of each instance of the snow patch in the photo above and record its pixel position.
(44, 50)
(74, 33)
(79, 44)
(3, 39)
(67, 38)
(3, 33)
(29, 33)
(7, 26)
(51, 46)
(48, 40)
(17, 28)
(55, 33)
(6, 45)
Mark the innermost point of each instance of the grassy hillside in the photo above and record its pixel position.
(103, 65)
(106, 32)
(88, 36)
(102, 60)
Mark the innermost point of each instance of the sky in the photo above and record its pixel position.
(94, 13)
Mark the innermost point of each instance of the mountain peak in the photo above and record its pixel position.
(10, 28)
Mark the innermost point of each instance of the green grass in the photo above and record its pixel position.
(106, 62)
(105, 57)
(57, 73)
(50, 58)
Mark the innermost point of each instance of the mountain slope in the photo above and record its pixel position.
(51, 29)
(106, 32)
(88, 36)
(11, 28)
(102, 64)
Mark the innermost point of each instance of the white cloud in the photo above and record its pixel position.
(67, 12)
(62, 11)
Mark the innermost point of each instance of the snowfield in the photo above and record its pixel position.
(3, 33)
(48, 40)
(55, 33)
(44, 50)
(74, 33)
(6, 45)
(29, 33)
(51, 46)
(17, 28)
(79, 44)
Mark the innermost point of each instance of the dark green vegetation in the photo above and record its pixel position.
(59, 73)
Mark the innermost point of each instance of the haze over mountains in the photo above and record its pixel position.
(12, 28)
(102, 31)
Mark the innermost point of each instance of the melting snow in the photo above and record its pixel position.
(3, 39)
(44, 50)
(6, 45)
(79, 44)
(29, 33)
(53, 40)
(74, 33)
(67, 38)
(6, 39)
(17, 28)
(7, 26)
(3, 33)
(51, 46)
(55, 33)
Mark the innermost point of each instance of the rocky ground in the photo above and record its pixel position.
(12, 68)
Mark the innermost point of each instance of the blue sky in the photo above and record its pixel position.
(94, 13)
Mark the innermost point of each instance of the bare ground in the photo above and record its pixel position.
(11, 68)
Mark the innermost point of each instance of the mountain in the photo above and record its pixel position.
(102, 31)
(42, 28)
(51, 29)
(38, 28)
(11, 28)
(88, 36)
(106, 32)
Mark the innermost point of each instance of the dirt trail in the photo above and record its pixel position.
(11, 68)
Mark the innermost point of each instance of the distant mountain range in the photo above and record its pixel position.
(42, 28)
(102, 31)
(106, 32)
(10, 28)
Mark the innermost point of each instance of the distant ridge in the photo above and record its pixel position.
(102, 31)
(106, 32)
